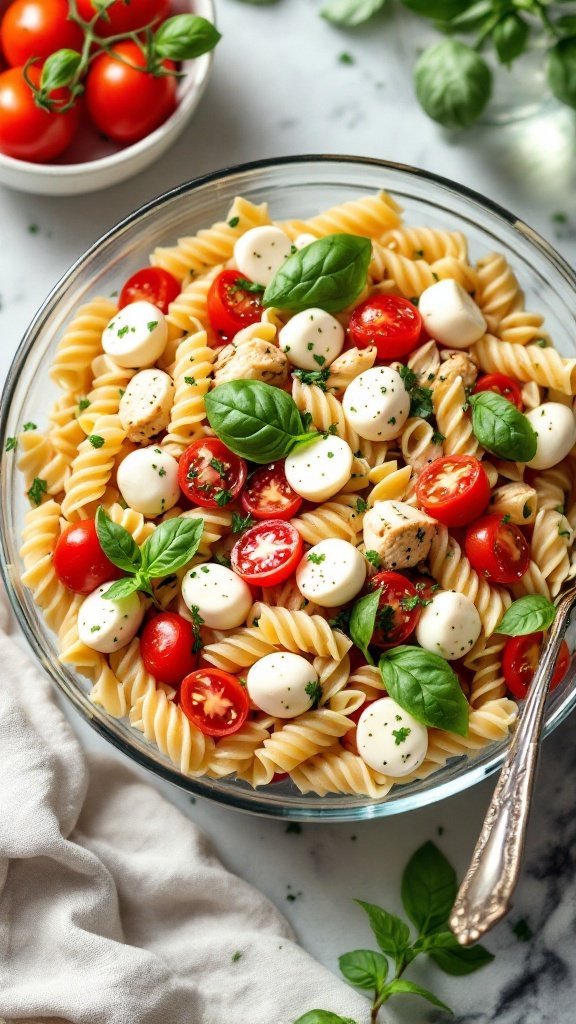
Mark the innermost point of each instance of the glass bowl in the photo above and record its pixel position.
(293, 187)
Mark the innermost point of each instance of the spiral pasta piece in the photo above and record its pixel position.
(91, 469)
(109, 384)
(453, 571)
(165, 724)
(527, 363)
(298, 632)
(80, 344)
(192, 377)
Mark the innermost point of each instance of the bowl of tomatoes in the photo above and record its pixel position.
(88, 100)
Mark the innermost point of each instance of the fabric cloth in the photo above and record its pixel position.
(113, 908)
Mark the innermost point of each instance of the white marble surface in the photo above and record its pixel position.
(278, 87)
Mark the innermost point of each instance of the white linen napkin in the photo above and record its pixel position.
(113, 908)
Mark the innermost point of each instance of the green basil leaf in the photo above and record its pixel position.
(122, 588)
(400, 985)
(510, 37)
(391, 932)
(437, 10)
(321, 1016)
(529, 614)
(501, 428)
(363, 620)
(453, 83)
(424, 685)
(171, 546)
(562, 70)
(452, 958)
(329, 273)
(117, 544)
(59, 69)
(255, 420)
(184, 37)
(351, 12)
(429, 888)
(364, 968)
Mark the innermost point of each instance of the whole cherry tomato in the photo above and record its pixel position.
(268, 495)
(398, 609)
(209, 474)
(502, 385)
(124, 15)
(27, 132)
(454, 489)
(214, 701)
(79, 561)
(167, 646)
(267, 553)
(497, 550)
(151, 284)
(390, 322)
(520, 658)
(125, 102)
(232, 304)
(36, 28)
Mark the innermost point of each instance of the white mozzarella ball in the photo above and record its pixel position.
(450, 315)
(136, 336)
(222, 598)
(148, 481)
(260, 252)
(390, 740)
(331, 573)
(555, 426)
(312, 339)
(282, 684)
(377, 404)
(146, 404)
(449, 625)
(306, 238)
(319, 469)
(107, 626)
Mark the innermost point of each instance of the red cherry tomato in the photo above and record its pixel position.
(497, 550)
(167, 647)
(501, 385)
(79, 561)
(209, 474)
(454, 489)
(151, 284)
(520, 658)
(214, 701)
(26, 131)
(232, 306)
(390, 322)
(125, 102)
(268, 553)
(398, 609)
(268, 495)
(36, 28)
(124, 15)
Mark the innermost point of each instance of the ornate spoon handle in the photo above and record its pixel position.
(486, 892)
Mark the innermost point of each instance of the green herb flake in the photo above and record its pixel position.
(96, 440)
(37, 489)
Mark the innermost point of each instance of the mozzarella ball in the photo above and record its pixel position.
(377, 404)
(312, 339)
(282, 684)
(331, 573)
(146, 404)
(390, 740)
(450, 315)
(107, 626)
(136, 336)
(260, 252)
(148, 481)
(222, 598)
(555, 427)
(319, 469)
(449, 625)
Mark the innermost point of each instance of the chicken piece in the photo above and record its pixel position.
(400, 534)
(457, 364)
(517, 501)
(259, 360)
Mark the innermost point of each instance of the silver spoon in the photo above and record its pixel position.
(486, 893)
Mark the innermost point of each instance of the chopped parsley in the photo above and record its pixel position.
(96, 440)
(314, 691)
(11, 443)
(38, 488)
(314, 558)
(223, 497)
(400, 735)
(29, 426)
(317, 377)
(233, 222)
(373, 557)
(241, 523)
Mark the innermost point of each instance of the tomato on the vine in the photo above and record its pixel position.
(151, 284)
(502, 385)
(209, 474)
(232, 304)
(454, 489)
(214, 701)
(126, 102)
(79, 561)
(267, 553)
(36, 28)
(268, 495)
(124, 16)
(497, 550)
(520, 659)
(167, 646)
(390, 322)
(398, 609)
(27, 132)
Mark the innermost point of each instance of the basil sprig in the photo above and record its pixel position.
(363, 620)
(501, 428)
(329, 273)
(171, 546)
(256, 421)
(529, 614)
(424, 685)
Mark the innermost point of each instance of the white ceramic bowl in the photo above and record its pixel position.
(93, 163)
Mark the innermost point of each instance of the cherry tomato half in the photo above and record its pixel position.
(520, 658)
(398, 609)
(268, 495)
(231, 305)
(390, 322)
(502, 385)
(36, 28)
(124, 15)
(167, 648)
(26, 131)
(268, 553)
(209, 474)
(79, 561)
(497, 550)
(454, 489)
(214, 701)
(125, 102)
(151, 284)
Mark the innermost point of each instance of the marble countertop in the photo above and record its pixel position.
(279, 87)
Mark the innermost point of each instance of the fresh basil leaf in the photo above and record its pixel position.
(529, 614)
(171, 546)
(437, 10)
(184, 37)
(424, 685)
(255, 420)
(122, 588)
(117, 544)
(400, 985)
(322, 1016)
(350, 13)
(59, 69)
(501, 428)
(562, 70)
(510, 37)
(429, 888)
(363, 620)
(453, 83)
(391, 932)
(452, 958)
(329, 273)
(364, 968)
